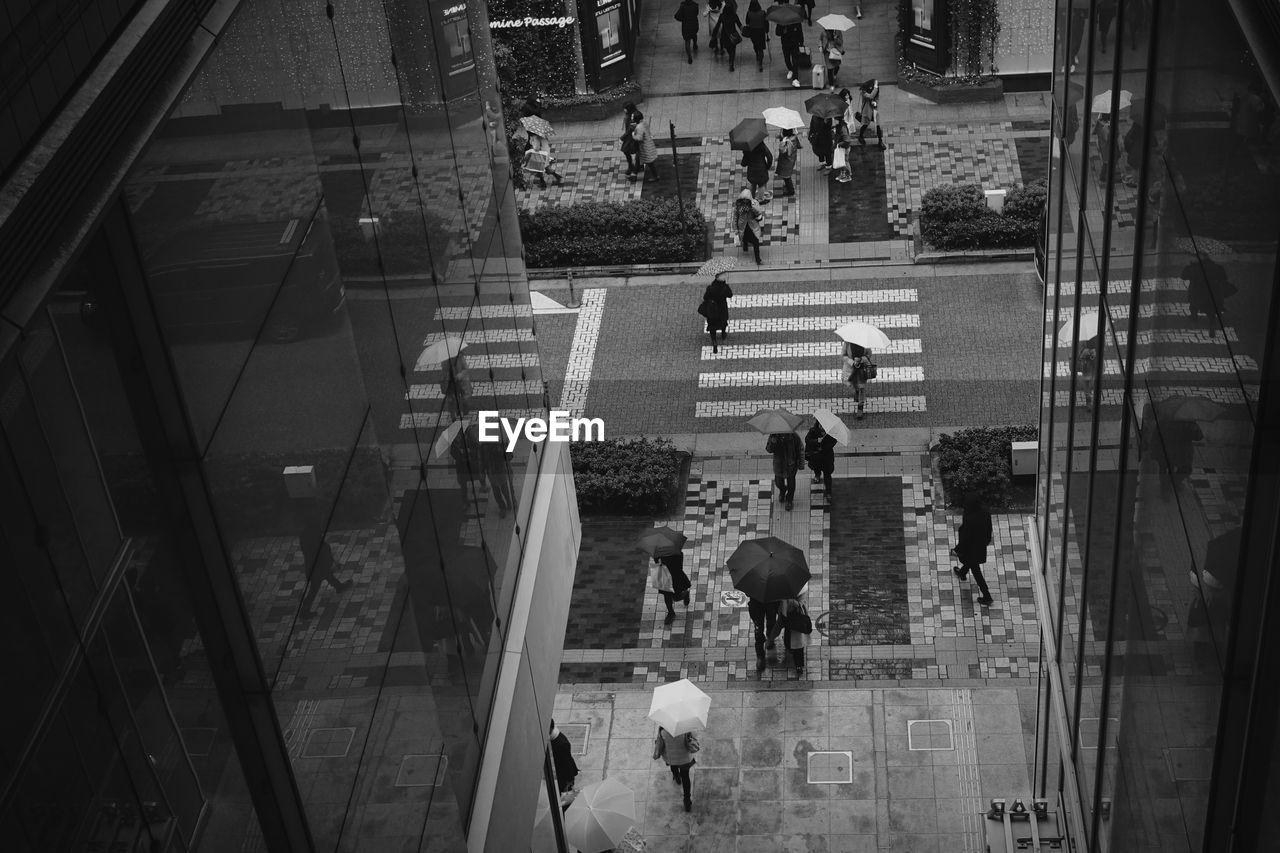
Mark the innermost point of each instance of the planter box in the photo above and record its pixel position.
(955, 93)
(610, 106)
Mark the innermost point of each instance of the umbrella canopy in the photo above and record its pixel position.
(661, 541)
(538, 125)
(680, 707)
(784, 15)
(1138, 111)
(1088, 327)
(769, 421)
(1189, 409)
(1222, 558)
(863, 334)
(836, 22)
(600, 816)
(768, 569)
(439, 352)
(784, 118)
(1102, 103)
(833, 425)
(747, 134)
(715, 266)
(441, 447)
(825, 105)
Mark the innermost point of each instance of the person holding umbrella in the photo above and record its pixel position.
(861, 370)
(971, 549)
(819, 452)
(677, 751)
(791, 38)
(747, 216)
(787, 450)
(764, 619)
(687, 14)
(715, 302)
(821, 141)
(759, 160)
(832, 45)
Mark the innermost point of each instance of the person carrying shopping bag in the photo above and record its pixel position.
(668, 578)
(796, 628)
(832, 44)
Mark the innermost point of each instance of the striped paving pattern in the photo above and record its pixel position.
(805, 349)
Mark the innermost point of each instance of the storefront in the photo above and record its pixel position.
(453, 47)
(608, 41)
(927, 38)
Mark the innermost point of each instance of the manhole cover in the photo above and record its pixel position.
(328, 743)
(199, 741)
(929, 734)
(830, 768)
(733, 598)
(421, 771)
(578, 734)
(1189, 764)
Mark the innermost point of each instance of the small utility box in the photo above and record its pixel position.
(995, 199)
(300, 481)
(1023, 458)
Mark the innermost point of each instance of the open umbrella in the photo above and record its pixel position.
(1088, 327)
(768, 569)
(439, 352)
(1189, 409)
(1102, 103)
(863, 334)
(715, 266)
(600, 816)
(784, 118)
(769, 421)
(833, 425)
(441, 447)
(836, 22)
(784, 14)
(680, 707)
(661, 541)
(747, 134)
(538, 125)
(825, 105)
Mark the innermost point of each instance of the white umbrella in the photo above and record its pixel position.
(440, 352)
(1102, 103)
(600, 816)
(445, 438)
(680, 707)
(863, 334)
(1088, 327)
(784, 118)
(836, 22)
(833, 425)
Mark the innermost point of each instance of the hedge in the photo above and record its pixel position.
(400, 241)
(597, 233)
(956, 217)
(975, 461)
(608, 96)
(629, 476)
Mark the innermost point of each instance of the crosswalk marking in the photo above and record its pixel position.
(1227, 395)
(484, 312)
(1122, 285)
(481, 337)
(1147, 311)
(806, 405)
(822, 325)
(822, 297)
(495, 361)
(1168, 364)
(431, 420)
(802, 349)
(480, 390)
(1158, 337)
(737, 379)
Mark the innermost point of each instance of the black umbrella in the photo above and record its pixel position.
(784, 14)
(825, 105)
(769, 569)
(1222, 557)
(747, 134)
(661, 542)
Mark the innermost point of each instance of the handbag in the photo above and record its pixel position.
(735, 37)
(705, 308)
(691, 743)
(659, 747)
(798, 621)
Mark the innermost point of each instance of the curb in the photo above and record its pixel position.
(975, 257)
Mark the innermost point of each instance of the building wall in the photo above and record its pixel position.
(1155, 430)
(232, 463)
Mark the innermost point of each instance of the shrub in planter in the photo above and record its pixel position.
(632, 476)
(404, 249)
(975, 461)
(620, 93)
(635, 232)
(1024, 203)
(956, 218)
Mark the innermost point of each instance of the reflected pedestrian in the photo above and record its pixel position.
(819, 452)
(796, 628)
(455, 385)
(562, 758)
(1207, 280)
(323, 570)
(495, 462)
(677, 751)
(759, 161)
(747, 217)
(974, 536)
(715, 301)
(788, 151)
(787, 451)
(756, 28)
(764, 619)
(687, 14)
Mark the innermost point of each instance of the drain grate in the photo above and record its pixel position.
(422, 771)
(924, 735)
(830, 768)
(329, 743)
(578, 734)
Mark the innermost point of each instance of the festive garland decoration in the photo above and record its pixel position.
(975, 25)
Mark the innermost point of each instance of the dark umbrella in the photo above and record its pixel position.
(1183, 408)
(784, 15)
(825, 105)
(661, 542)
(769, 569)
(748, 133)
(1222, 557)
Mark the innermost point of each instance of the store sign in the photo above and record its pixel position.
(531, 22)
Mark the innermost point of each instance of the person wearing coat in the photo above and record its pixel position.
(786, 450)
(790, 39)
(687, 14)
(746, 222)
(819, 452)
(630, 148)
(756, 28)
(674, 750)
(672, 583)
(714, 8)
(858, 362)
(971, 549)
(764, 619)
(832, 44)
(821, 142)
(716, 298)
(793, 641)
(788, 149)
(869, 111)
(562, 759)
(648, 153)
(729, 28)
(759, 161)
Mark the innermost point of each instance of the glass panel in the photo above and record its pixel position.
(55, 801)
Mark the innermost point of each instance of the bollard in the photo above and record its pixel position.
(573, 297)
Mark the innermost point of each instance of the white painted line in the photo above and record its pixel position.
(1169, 364)
(431, 420)
(502, 359)
(804, 349)
(582, 356)
(1123, 285)
(821, 324)
(1153, 337)
(481, 390)
(823, 297)
(484, 312)
(834, 376)
(842, 405)
(488, 336)
(1163, 309)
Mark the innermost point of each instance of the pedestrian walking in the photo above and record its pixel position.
(788, 151)
(630, 148)
(756, 28)
(869, 112)
(1207, 286)
(323, 570)
(759, 161)
(787, 451)
(796, 628)
(807, 7)
(729, 29)
(715, 307)
(455, 385)
(687, 14)
(819, 452)
(495, 462)
(747, 217)
(668, 578)
(974, 536)
(832, 44)
(862, 370)
(820, 141)
(539, 153)
(790, 39)
(841, 141)
(562, 759)
(677, 751)
(648, 152)
(767, 625)
(714, 8)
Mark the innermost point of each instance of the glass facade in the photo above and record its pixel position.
(262, 568)
(1156, 444)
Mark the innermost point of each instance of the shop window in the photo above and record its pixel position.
(609, 26)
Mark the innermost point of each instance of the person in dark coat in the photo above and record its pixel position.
(819, 452)
(756, 28)
(716, 297)
(759, 162)
(746, 222)
(971, 550)
(1205, 281)
(495, 462)
(562, 758)
(630, 147)
(787, 450)
(764, 618)
(687, 14)
(788, 150)
(728, 29)
(679, 583)
(790, 39)
(821, 141)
